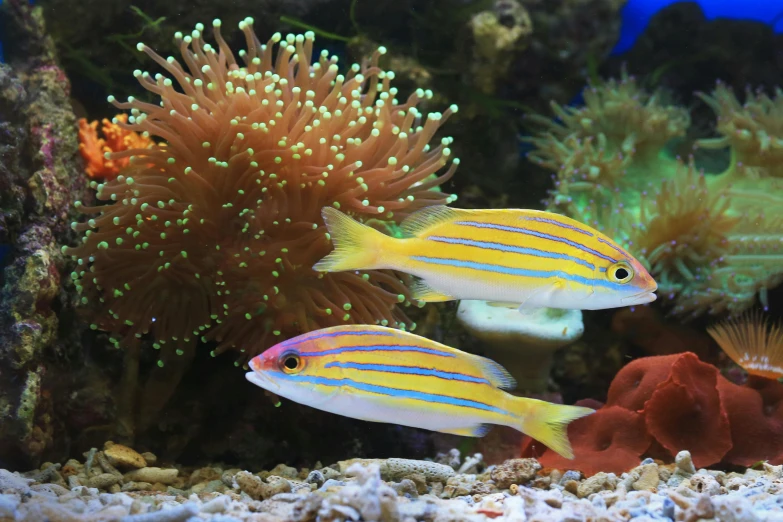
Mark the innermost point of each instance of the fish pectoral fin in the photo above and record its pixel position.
(422, 291)
(479, 430)
(528, 306)
(502, 304)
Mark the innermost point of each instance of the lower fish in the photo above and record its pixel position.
(380, 374)
(525, 258)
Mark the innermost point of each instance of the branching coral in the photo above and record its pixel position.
(212, 233)
(116, 139)
(713, 242)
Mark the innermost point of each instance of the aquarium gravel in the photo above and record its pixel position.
(110, 485)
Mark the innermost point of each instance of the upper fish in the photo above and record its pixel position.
(380, 374)
(530, 258)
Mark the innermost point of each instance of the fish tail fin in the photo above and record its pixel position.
(356, 246)
(547, 423)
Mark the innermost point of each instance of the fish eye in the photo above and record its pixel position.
(290, 362)
(620, 272)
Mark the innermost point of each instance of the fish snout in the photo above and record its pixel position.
(644, 297)
(263, 362)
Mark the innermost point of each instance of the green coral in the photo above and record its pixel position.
(714, 242)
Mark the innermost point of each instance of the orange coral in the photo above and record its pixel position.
(213, 235)
(116, 138)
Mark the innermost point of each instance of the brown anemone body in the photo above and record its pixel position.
(212, 234)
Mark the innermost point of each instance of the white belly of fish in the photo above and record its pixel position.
(549, 293)
(368, 409)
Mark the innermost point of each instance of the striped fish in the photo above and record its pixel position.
(380, 374)
(529, 258)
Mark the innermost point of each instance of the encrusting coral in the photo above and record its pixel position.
(212, 233)
(712, 241)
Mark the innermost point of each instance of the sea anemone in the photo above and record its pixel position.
(212, 233)
(683, 231)
(626, 120)
(712, 241)
(753, 130)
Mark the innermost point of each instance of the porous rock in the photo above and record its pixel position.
(515, 471)
(599, 482)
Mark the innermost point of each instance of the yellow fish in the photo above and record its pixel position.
(380, 374)
(527, 257)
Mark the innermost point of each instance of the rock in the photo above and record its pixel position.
(281, 470)
(396, 469)
(736, 509)
(153, 475)
(458, 486)
(405, 487)
(316, 477)
(420, 480)
(330, 473)
(228, 476)
(257, 489)
(703, 483)
(648, 478)
(150, 458)
(684, 463)
(124, 457)
(136, 486)
(597, 483)
(451, 458)
(515, 471)
(204, 475)
(104, 480)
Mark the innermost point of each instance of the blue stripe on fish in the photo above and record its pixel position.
(500, 269)
(411, 370)
(608, 243)
(315, 335)
(541, 235)
(377, 348)
(491, 245)
(392, 392)
(558, 224)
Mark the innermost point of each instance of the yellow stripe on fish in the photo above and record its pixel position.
(379, 374)
(529, 257)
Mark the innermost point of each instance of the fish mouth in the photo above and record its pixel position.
(647, 296)
(262, 381)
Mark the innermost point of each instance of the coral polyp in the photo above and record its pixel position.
(211, 233)
(712, 241)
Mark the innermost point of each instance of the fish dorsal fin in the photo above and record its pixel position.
(479, 430)
(422, 291)
(495, 373)
(421, 220)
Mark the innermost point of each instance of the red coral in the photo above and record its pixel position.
(685, 412)
(755, 412)
(612, 440)
(636, 382)
(661, 405)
